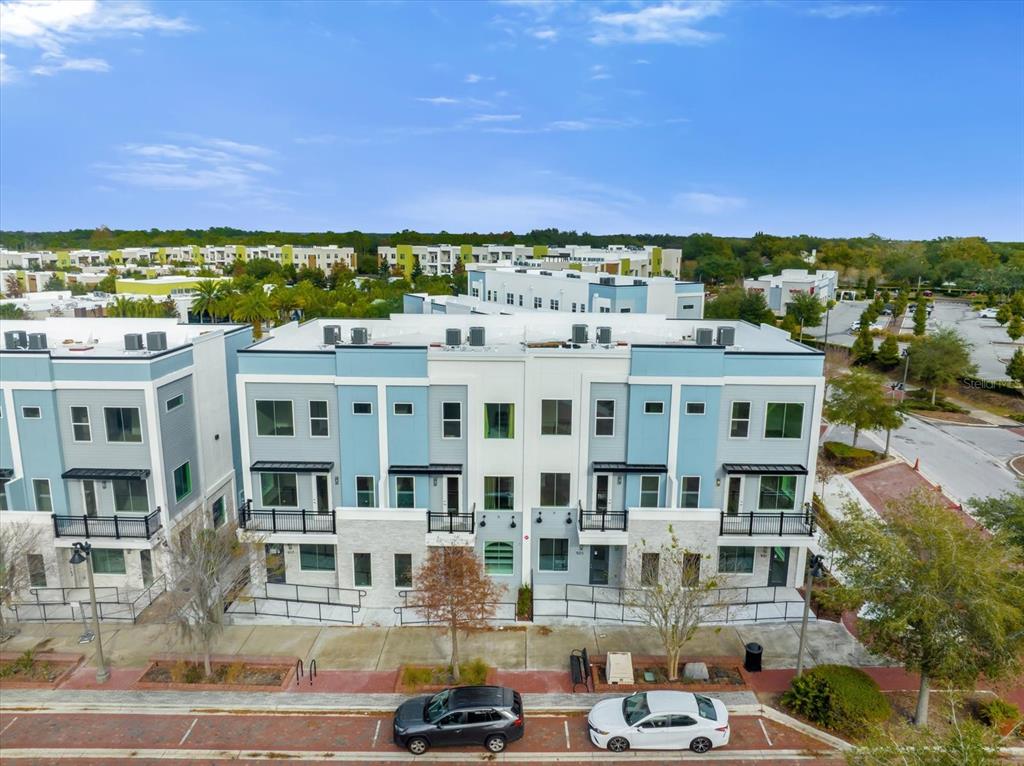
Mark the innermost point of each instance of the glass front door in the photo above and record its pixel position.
(451, 494)
(598, 564)
(778, 568)
(735, 495)
(89, 496)
(323, 502)
(601, 493)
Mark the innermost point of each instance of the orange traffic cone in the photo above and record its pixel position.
(917, 463)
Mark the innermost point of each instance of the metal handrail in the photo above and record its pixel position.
(767, 523)
(602, 521)
(451, 522)
(116, 525)
(273, 520)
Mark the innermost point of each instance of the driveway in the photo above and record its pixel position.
(840, 318)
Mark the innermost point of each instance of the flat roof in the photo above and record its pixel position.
(582, 276)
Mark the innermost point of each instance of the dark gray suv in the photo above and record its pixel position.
(491, 716)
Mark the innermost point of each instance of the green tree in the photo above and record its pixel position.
(869, 291)
(806, 309)
(941, 597)
(12, 286)
(1015, 367)
(1015, 328)
(858, 399)
(121, 306)
(864, 345)
(1003, 515)
(888, 352)
(920, 317)
(254, 308)
(1004, 314)
(940, 358)
(10, 311)
(54, 283)
(208, 294)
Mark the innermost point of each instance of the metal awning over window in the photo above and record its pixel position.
(788, 469)
(105, 474)
(291, 466)
(6, 473)
(600, 467)
(433, 469)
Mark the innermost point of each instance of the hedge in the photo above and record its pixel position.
(838, 697)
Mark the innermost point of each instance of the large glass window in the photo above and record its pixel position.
(81, 430)
(499, 493)
(405, 492)
(130, 496)
(219, 512)
(108, 561)
(778, 493)
(689, 492)
(279, 490)
(556, 417)
(366, 492)
(554, 489)
(319, 421)
(739, 424)
(41, 492)
(3, 495)
(499, 557)
(403, 570)
(182, 481)
(316, 558)
(554, 554)
(451, 420)
(650, 491)
(499, 420)
(274, 418)
(783, 420)
(175, 401)
(362, 575)
(604, 417)
(123, 424)
(735, 560)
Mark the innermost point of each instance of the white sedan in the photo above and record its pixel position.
(659, 720)
(988, 313)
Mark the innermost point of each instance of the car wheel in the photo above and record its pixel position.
(495, 743)
(618, 744)
(417, 745)
(700, 745)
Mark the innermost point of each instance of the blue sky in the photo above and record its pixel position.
(830, 118)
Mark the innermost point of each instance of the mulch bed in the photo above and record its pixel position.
(441, 681)
(724, 674)
(48, 670)
(235, 674)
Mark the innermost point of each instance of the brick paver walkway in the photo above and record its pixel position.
(893, 482)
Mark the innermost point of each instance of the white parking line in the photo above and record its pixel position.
(761, 721)
(190, 728)
(9, 724)
(567, 745)
(376, 733)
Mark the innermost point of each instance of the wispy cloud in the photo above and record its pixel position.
(707, 203)
(70, 65)
(496, 117)
(847, 10)
(7, 72)
(599, 72)
(668, 22)
(472, 78)
(641, 61)
(438, 100)
(546, 34)
(319, 139)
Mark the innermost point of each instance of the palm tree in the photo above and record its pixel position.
(121, 307)
(284, 301)
(253, 307)
(12, 286)
(208, 295)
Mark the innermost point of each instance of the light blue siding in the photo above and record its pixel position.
(691, 361)
(268, 363)
(698, 439)
(360, 452)
(408, 435)
(381, 362)
(41, 453)
(647, 435)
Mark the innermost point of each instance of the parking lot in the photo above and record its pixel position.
(991, 345)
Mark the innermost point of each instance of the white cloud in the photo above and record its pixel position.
(7, 72)
(496, 117)
(668, 22)
(546, 34)
(70, 65)
(708, 203)
(322, 138)
(569, 125)
(641, 61)
(439, 100)
(599, 72)
(472, 78)
(847, 10)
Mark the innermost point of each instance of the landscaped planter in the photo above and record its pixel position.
(250, 674)
(726, 675)
(49, 670)
(401, 688)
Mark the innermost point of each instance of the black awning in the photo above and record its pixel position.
(433, 469)
(292, 466)
(789, 469)
(6, 473)
(599, 467)
(105, 474)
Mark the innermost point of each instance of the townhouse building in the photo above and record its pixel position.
(558, 447)
(118, 432)
(780, 289)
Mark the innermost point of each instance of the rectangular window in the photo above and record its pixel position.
(554, 554)
(604, 417)
(41, 492)
(3, 495)
(123, 424)
(739, 424)
(36, 570)
(316, 558)
(182, 481)
(451, 420)
(499, 421)
(405, 492)
(130, 496)
(362, 408)
(319, 419)
(362, 576)
(654, 408)
(81, 430)
(499, 494)
(649, 563)
(31, 413)
(554, 304)
(689, 492)
(777, 493)
(366, 492)
(175, 401)
(537, 303)
(554, 489)
(108, 561)
(274, 418)
(735, 560)
(556, 417)
(403, 408)
(695, 408)
(783, 420)
(499, 558)
(279, 490)
(650, 491)
(219, 512)
(520, 300)
(403, 570)
(510, 299)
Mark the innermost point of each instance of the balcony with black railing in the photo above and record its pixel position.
(274, 520)
(768, 523)
(451, 522)
(117, 526)
(602, 521)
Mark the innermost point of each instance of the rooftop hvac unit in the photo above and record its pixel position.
(639, 282)
(476, 336)
(37, 340)
(156, 341)
(332, 334)
(607, 280)
(726, 336)
(133, 342)
(360, 336)
(604, 335)
(579, 333)
(571, 275)
(453, 336)
(15, 339)
(520, 271)
(705, 336)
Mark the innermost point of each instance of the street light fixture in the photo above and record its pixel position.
(83, 553)
(815, 568)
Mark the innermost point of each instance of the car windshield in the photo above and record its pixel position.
(634, 708)
(436, 706)
(706, 708)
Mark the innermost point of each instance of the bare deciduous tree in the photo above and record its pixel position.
(16, 542)
(453, 589)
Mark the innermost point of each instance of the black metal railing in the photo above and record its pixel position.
(116, 526)
(779, 523)
(603, 521)
(273, 520)
(451, 522)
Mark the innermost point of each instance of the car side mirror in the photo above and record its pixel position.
(439, 726)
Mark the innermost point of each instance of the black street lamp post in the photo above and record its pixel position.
(814, 569)
(83, 553)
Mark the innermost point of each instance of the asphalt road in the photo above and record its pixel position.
(840, 318)
(991, 345)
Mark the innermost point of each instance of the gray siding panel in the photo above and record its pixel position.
(179, 441)
(447, 450)
(609, 448)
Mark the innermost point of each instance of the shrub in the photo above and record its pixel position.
(850, 457)
(413, 676)
(524, 603)
(23, 664)
(474, 672)
(839, 697)
(233, 673)
(996, 712)
(471, 673)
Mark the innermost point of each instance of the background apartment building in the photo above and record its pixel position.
(779, 289)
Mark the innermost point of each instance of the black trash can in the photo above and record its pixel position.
(752, 659)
